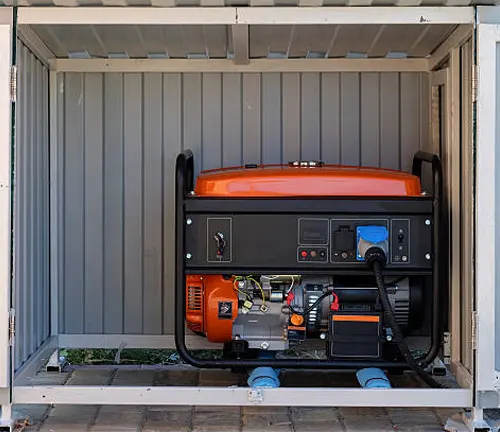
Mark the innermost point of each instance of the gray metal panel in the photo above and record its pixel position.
(215, 41)
(370, 118)
(93, 207)
(74, 204)
(139, 122)
(389, 120)
(153, 198)
(31, 227)
(133, 172)
(497, 213)
(113, 203)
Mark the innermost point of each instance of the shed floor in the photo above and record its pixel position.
(67, 418)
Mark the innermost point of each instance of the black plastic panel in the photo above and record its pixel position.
(281, 241)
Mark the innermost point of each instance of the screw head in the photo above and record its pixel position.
(388, 338)
(404, 258)
(427, 256)
(189, 222)
(427, 222)
(264, 345)
(322, 336)
(188, 256)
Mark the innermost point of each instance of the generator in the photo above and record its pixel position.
(274, 257)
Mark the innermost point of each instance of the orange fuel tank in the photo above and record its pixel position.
(319, 180)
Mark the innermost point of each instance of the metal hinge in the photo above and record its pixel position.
(447, 348)
(13, 83)
(255, 395)
(12, 326)
(474, 79)
(473, 329)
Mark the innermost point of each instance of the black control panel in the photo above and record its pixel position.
(302, 241)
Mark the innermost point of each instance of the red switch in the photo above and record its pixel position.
(304, 254)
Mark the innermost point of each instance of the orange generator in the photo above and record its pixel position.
(271, 258)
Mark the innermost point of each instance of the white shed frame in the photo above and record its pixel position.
(479, 389)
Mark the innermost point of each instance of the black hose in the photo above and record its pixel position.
(375, 258)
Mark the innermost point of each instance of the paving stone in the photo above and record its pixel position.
(113, 418)
(318, 426)
(63, 427)
(221, 378)
(48, 378)
(90, 377)
(315, 415)
(66, 418)
(347, 412)
(216, 419)
(170, 408)
(409, 419)
(443, 414)
(167, 421)
(76, 413)
(365, 419)
(229, 410)
(134, 378)
(251, 409)
(33, 413)
(369, 425)
(266, 422)
(176, 378)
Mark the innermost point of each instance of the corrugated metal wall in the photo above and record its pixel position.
(121, 133)
(31, 297)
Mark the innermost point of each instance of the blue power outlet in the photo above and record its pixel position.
(375, 235)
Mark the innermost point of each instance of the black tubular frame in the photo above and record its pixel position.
(184, 184)
(438, 247)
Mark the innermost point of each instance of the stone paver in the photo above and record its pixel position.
(267, 422)
(64, 418)
(216, 378)
(163, 420)
(253, 409)
(320, 426)
(314, 414)
(365, 419)
(134, 377)
(117, 418)
(176, 378)
(414, 420)
(316, 419)
(216, 419)
(90, 377)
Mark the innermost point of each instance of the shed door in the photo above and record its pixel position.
(487, 355)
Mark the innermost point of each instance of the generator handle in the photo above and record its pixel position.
(438, 244)
(184, 167)
(437, 171)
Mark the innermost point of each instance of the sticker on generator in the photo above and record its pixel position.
(225, 310)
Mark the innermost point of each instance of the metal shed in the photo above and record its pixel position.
(98, 98)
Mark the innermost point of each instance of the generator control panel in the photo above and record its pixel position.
(302, 241)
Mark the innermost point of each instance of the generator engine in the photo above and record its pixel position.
(347, 259)
(277, 312)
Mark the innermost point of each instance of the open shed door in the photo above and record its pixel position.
(487, 353)
(7, 107)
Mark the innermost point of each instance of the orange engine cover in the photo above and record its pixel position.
(211, 306)
(326, 180)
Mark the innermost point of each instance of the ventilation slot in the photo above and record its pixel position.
(194, 298)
